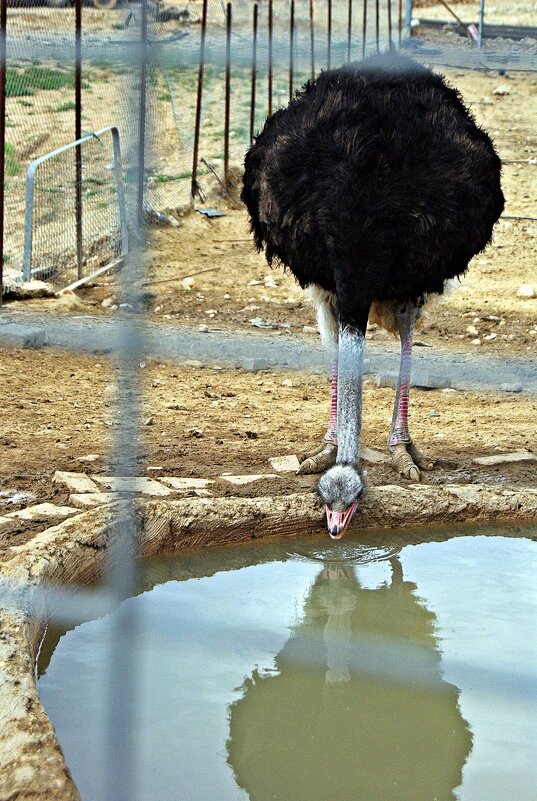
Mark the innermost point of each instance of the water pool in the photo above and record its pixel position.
(305, 670)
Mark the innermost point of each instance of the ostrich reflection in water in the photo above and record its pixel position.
(333, 722)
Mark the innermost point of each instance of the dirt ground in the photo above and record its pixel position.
(58, 406)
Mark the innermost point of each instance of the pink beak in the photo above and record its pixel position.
(338, 522)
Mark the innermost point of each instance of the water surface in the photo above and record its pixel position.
(303, 670)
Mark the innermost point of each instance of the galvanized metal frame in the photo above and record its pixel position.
(30, 191)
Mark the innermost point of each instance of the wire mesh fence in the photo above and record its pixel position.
(76, 222)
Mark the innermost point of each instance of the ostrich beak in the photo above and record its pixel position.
(338, 522)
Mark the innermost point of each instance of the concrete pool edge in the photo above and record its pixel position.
(71, 553)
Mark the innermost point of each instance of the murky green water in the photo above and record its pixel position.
(306, 670)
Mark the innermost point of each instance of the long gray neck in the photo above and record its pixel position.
(349, 396)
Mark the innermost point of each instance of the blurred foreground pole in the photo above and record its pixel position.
(329, 31)
(194, 189)
(408, 18)
(349, 29)
(78, 134)
(120, 747)
(3, 34)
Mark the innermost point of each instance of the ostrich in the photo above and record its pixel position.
(374, 187)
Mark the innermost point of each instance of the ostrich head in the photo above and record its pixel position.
(340, 489)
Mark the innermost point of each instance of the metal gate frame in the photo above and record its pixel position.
(29, 210)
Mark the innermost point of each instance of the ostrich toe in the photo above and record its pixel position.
(402, 461)
(422, 461)
(318, 460)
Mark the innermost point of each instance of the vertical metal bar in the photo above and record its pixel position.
(29, 222)
(312, 37)
(389, 2)
(408, 17)
(349, 29)
(142, 119)
(400, 22)
(227, 101)
(120, 186)
(197, 124)
(329, 31)
(3, 67)
(480, 23)
(291, 48)
(377, 25)
(270, 66)
(254, 73)
(364, 28)
(78, 134)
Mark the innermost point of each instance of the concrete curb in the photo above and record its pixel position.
(72, 553)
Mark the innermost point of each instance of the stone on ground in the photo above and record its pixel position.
(138, 484)
(179, 483)
(505, 458)
(75, 482)
(285, 464)
(88, 500)
(373, 456)
(43, 511)
(246, 479)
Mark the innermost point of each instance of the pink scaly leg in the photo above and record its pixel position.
(406, 458)
(324, 456)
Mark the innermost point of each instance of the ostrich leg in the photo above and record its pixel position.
(324, 456)
(406, 458)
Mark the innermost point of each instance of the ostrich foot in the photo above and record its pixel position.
(318, 460)
(408, 461)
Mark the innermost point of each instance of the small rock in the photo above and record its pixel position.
(526, 291)
(195, 432)
(109, 302)
(429, 381)
(433, 413)
(180, 483)
(285, 464)
(43, 511)
(88, 500)
(76, 482)
(516, 386)
(505, 458)
(255, 364)
(91, 457)
(472, 330)
(287, 382)
(239, 480)
(137, 484)
(177, 407)
(309, 329)
(501, 90)
(203, 329)
(149, 421)
(259, 322)
(475, 342)
(194, 363)
(490, 337)
(373, 456)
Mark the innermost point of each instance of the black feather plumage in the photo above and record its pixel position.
(374, 183)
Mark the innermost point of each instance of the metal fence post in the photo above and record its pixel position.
(78, 134)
